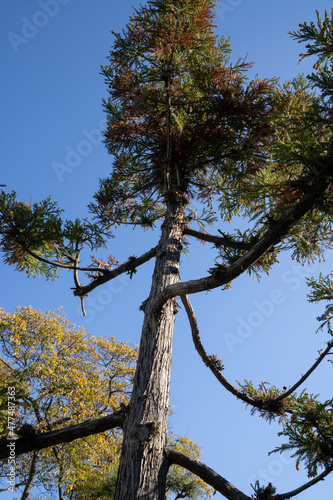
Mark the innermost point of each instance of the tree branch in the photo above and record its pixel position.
(130, 265)
(206, 474)
(17, 485)
(307, 374)
(216, 367)
(211, 361)
(225, 274)
(223, 241)
(53, 263)
(66, 435)
(293, 493)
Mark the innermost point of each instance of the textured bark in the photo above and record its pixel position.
(143, 464)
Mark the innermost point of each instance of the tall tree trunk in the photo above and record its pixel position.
(143, 465)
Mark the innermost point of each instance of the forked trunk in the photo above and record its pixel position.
(143, 466)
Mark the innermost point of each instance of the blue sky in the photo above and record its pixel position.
(51, 118)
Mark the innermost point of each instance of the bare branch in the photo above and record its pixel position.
(225, 274)
(211, 361)
(66, 435)
(206, 474)
(223, 241)
(307, 374)
(130, 265)
(216, 367)
(293, 493)
(53, 263)
(17, 485)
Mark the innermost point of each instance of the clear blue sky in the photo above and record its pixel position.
(50, 115)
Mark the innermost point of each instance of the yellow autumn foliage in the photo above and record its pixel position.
(69, 376)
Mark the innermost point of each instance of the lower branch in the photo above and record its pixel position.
(66, 435)
(214, 364)
(206, 474)
(293, 493)
(211, 361)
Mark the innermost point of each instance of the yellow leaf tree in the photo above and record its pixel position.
(69, 376)
(61, 374)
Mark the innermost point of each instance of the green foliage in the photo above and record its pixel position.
(36, 240)
(307, 423)
(183, 120)
(310, 433)
(168, 60)
(322, 289)
(267, 393)
(319, 43)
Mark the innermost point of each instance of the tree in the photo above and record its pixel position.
(187, 126)
(67, 377)
(58, 370)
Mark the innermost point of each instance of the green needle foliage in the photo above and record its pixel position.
(310, 433)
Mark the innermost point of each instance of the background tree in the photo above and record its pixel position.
(183, 125)
(68, 377)
(62, 375)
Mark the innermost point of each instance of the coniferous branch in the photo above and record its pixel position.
(225, 274)
(54, 263)
(206, 474)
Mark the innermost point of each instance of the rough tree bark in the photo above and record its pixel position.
(143, 463)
